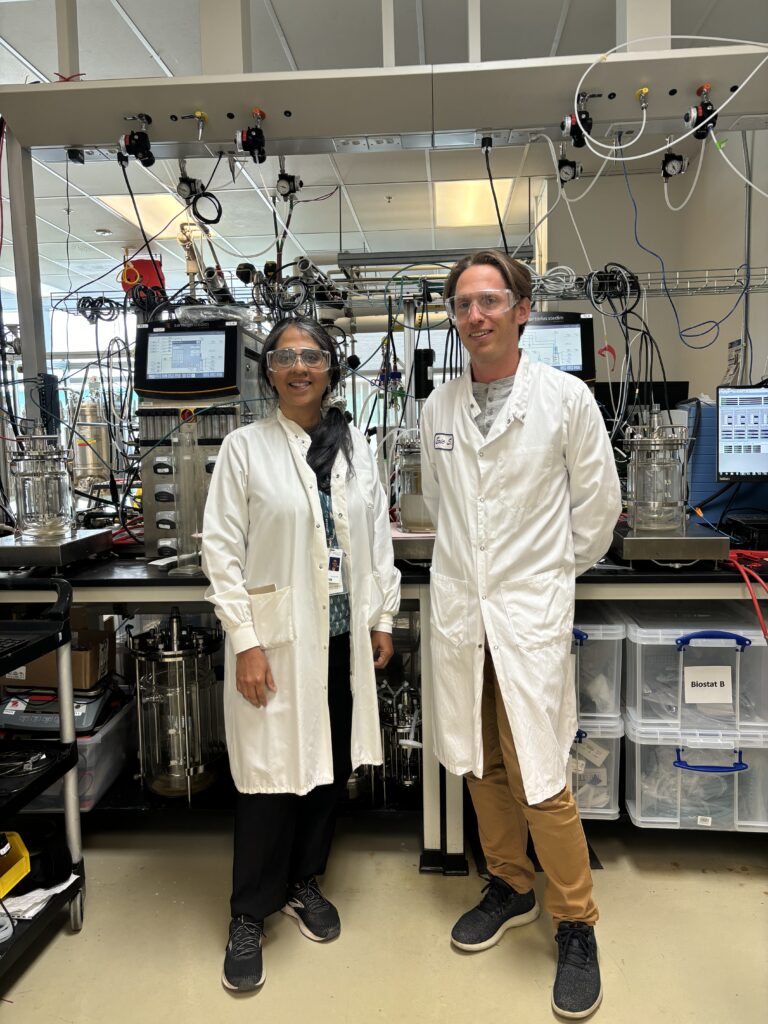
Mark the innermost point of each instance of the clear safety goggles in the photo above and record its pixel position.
(311, 358)
(490, 302)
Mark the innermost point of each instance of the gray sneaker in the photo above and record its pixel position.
(501, 908)
(577, 991)
(243, 962)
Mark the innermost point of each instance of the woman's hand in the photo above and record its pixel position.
(382, 648)
(253, 676)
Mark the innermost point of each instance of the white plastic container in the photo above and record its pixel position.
(101, 758)
(710, 780)
(598, 637)
(593, 767)
(695, 665)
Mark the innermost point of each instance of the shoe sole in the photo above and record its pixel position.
(579, 1014)
(514, 922)
(238, 988)
(305, 931)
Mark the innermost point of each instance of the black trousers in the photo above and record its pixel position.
(282, 838)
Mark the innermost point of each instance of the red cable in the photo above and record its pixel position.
(745, 572)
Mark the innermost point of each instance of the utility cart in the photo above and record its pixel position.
(29, 767)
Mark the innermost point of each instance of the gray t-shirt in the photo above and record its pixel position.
(490, 398)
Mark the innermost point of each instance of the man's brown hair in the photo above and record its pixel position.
(515, 274)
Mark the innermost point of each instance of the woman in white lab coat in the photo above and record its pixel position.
(298, 551)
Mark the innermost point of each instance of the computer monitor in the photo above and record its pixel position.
(642, 394)
(180, 361)
(742, 433)
(563, 340)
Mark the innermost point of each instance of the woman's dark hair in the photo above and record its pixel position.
(332, 433)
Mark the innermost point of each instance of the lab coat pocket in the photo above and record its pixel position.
(272, 613)
(375, 599)
(449, 608)
(523, 476)
(540, 608)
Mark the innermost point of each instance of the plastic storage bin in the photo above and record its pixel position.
(594, 767)
(697, 779)
(598, 637)
(101, 758)
(695, 665)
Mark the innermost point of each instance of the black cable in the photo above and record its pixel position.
(158, 271)
(728, 504)
(487, 151)
(214, 201)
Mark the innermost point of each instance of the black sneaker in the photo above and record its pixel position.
(501, 908)
(577, 991)
(243, 963)
(317, 917)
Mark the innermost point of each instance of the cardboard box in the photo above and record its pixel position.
(93, 655)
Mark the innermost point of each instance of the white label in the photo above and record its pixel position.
(15, 704)
(80, 710)
(17, 673)
(707, 684)
(701, 820)
(593, 752)
(576, 765)
(444, 442)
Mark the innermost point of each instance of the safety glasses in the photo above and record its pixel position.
(311, 358)
(490, 302)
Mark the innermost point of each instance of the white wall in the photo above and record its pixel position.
(707, 233)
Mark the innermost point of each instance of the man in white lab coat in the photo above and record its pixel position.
(519, 477)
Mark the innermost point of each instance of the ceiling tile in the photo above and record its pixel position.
(360, 168)
(334, 34)
(381, 207)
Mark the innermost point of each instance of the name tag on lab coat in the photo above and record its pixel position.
(335, 582)
(444, 442)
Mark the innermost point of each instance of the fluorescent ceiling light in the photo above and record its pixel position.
(155, 212)
(8, 284)
(466, 204)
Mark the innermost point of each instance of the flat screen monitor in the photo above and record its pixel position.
(642, 394)
(742, 433)
(563, 340)
(178, 361)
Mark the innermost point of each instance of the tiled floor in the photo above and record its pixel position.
(683, 936)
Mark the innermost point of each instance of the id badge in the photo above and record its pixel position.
(335, 559)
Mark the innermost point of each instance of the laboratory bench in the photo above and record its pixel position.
(112, 584)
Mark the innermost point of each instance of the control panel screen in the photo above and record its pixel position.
(195, 355)
(562, 340)
(742, 432)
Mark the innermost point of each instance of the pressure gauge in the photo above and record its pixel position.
(567, 170)
(673, 164)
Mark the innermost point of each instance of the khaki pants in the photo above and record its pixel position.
(505, 818)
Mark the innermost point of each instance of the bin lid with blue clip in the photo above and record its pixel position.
(663, 622)
(600, 728)
(750, 737)
(600, 621)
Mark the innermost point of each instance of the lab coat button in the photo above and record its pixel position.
(317, 526)
(485, 597)
(495, 647)
(481, 454)
(482, 547)
(481, 498)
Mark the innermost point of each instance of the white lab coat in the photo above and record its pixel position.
(518, 515)
(263, 531)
